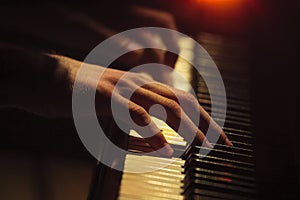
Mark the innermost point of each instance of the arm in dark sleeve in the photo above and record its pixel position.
(28, 78)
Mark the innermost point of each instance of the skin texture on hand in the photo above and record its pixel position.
(147, 93)
(46, 89)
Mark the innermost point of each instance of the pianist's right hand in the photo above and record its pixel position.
(43, 84)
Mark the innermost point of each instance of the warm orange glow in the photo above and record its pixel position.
(223, 14)
(219, 4)
(226, 16)
(216, 1)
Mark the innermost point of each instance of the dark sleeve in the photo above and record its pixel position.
(23, 70)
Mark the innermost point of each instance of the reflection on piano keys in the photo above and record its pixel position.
(164, 183)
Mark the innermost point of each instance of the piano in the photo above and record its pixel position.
(225, 173)
(260, 74)
(260, 77)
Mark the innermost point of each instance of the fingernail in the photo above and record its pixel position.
(227, 142)
(166, 150)
(208, 144)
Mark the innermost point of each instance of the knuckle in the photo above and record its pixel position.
(142, 77)
(189, 99)
(140, 116)
(125, 89)
(105, 89)
(174, 107)
(214, 125)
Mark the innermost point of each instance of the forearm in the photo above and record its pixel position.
(27, 79)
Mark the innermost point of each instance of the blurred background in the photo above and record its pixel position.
(45, 159)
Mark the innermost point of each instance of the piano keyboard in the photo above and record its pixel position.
(225, 173)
